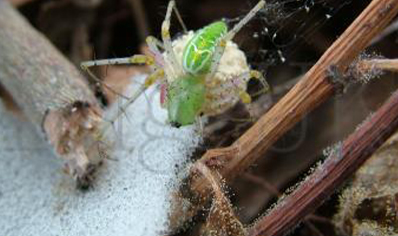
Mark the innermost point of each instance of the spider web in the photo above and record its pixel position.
(283, 41)
(289, 27)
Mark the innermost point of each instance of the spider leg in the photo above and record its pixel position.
(136, 59)
(179, 17)
(255, 74)
(152, 78)
(200, 126)
(244, 96)
(245, 20)
(167, 40)
(154, 45)
(219, 51)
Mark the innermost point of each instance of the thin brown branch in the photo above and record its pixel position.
(386, 32)
(87, 3)
(18, 3)
(378, 64)
(313, 89)
(140, 18)
(50, 91)
(221, 219)
(342, 163)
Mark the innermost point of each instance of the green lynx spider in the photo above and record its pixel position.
(186, 80)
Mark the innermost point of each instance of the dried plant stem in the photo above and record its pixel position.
(381, 64)
(343, 162)
(314, 88)
(221, 219)
(19, 2)
(140, 18)
(386, 32)
(49, 90)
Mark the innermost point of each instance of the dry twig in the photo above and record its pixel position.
(221, 219)
(314, 88)
(140, 18)
(18, 3)
(380, 64)
(342, 162)
(50, 91)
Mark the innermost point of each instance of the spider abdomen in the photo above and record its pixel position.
(198, 52)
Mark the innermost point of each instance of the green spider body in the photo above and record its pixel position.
(198, 53)
(200, 73)
(186, 95)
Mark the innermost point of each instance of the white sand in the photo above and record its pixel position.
(131, 195)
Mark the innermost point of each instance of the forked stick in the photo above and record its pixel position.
(312, 90)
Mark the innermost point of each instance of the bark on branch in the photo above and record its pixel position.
(341, 163)
(50, 91)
